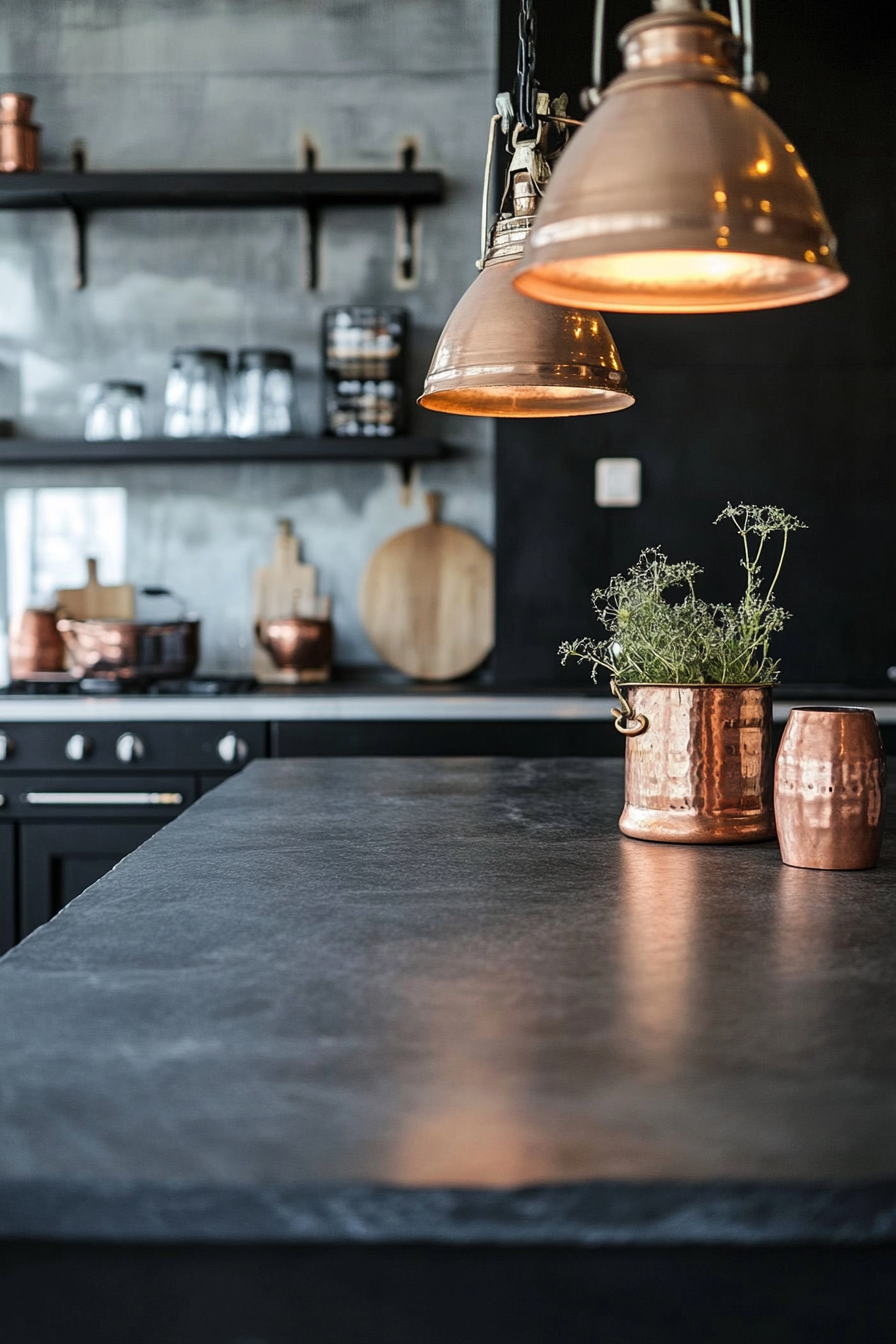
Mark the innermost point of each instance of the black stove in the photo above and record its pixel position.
(59, 683)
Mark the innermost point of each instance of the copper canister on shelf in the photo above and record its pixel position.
(19, 136)
(830, 775)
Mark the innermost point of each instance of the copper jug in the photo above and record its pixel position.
(35, 645)
(698, 763)
(830, 775)
(19, 136)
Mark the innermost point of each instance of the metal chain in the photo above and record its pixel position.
(526, 83)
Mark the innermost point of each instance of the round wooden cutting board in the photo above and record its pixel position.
(427, 600)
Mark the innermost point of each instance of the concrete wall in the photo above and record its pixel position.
(238, 84)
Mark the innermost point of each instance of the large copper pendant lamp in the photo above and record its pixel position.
(500, 353)
(679, 195)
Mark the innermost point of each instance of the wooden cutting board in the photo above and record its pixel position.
(427, 600)
(286, 587)
(97, 601)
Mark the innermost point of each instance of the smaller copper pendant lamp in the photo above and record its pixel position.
(679, 195)
(501, 354)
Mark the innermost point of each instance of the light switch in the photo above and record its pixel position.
(618, 482)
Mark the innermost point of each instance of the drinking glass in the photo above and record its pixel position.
(117, 413)
(262, 394)
(196, 394)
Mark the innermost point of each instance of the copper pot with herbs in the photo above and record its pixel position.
(694, 684)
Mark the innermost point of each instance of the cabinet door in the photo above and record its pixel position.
(56, 863)
(447, 737)
(7, 888)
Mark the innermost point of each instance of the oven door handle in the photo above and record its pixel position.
(103, 799)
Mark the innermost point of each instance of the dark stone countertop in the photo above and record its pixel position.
(445, 1000)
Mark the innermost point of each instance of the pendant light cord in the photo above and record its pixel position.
(526, 83)
(591, 97)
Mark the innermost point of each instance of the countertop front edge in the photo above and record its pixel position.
(594, 1213)
(336, 708)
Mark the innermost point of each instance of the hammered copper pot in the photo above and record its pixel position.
(830, 775)
(698, 764)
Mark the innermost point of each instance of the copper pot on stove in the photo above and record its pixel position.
(142, 651)
(299, 644)
(131, 650)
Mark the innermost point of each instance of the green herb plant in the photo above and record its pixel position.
(651, 638)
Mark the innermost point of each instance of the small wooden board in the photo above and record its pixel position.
(97, 601)
(427, 600)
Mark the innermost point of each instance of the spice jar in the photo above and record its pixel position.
(19, 136)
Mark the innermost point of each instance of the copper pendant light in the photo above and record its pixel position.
(501, 354)
(679, 195)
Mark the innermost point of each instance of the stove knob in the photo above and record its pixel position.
(129, 748)
(7, 746)
(78, 746)
(232, 749)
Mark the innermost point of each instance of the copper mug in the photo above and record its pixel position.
(830, 775)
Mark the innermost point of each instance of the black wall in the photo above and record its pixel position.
(794, 407)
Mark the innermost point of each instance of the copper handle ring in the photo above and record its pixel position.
(638, 725)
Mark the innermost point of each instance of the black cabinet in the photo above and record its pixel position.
(7, 888)
(57, 862)
(446, 737)
(77, 796)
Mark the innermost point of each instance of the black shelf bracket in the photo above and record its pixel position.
(79, 224)
(311, 189)
(312, 224)
(407, 249)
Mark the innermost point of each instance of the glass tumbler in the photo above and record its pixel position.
(262, 395)
(196, 394)
(117, 413)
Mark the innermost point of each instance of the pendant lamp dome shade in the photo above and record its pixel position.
(502, 354)
(679, 195)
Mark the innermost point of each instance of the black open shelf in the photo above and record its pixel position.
(219, 190)
(78, 452)
(310, 189)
